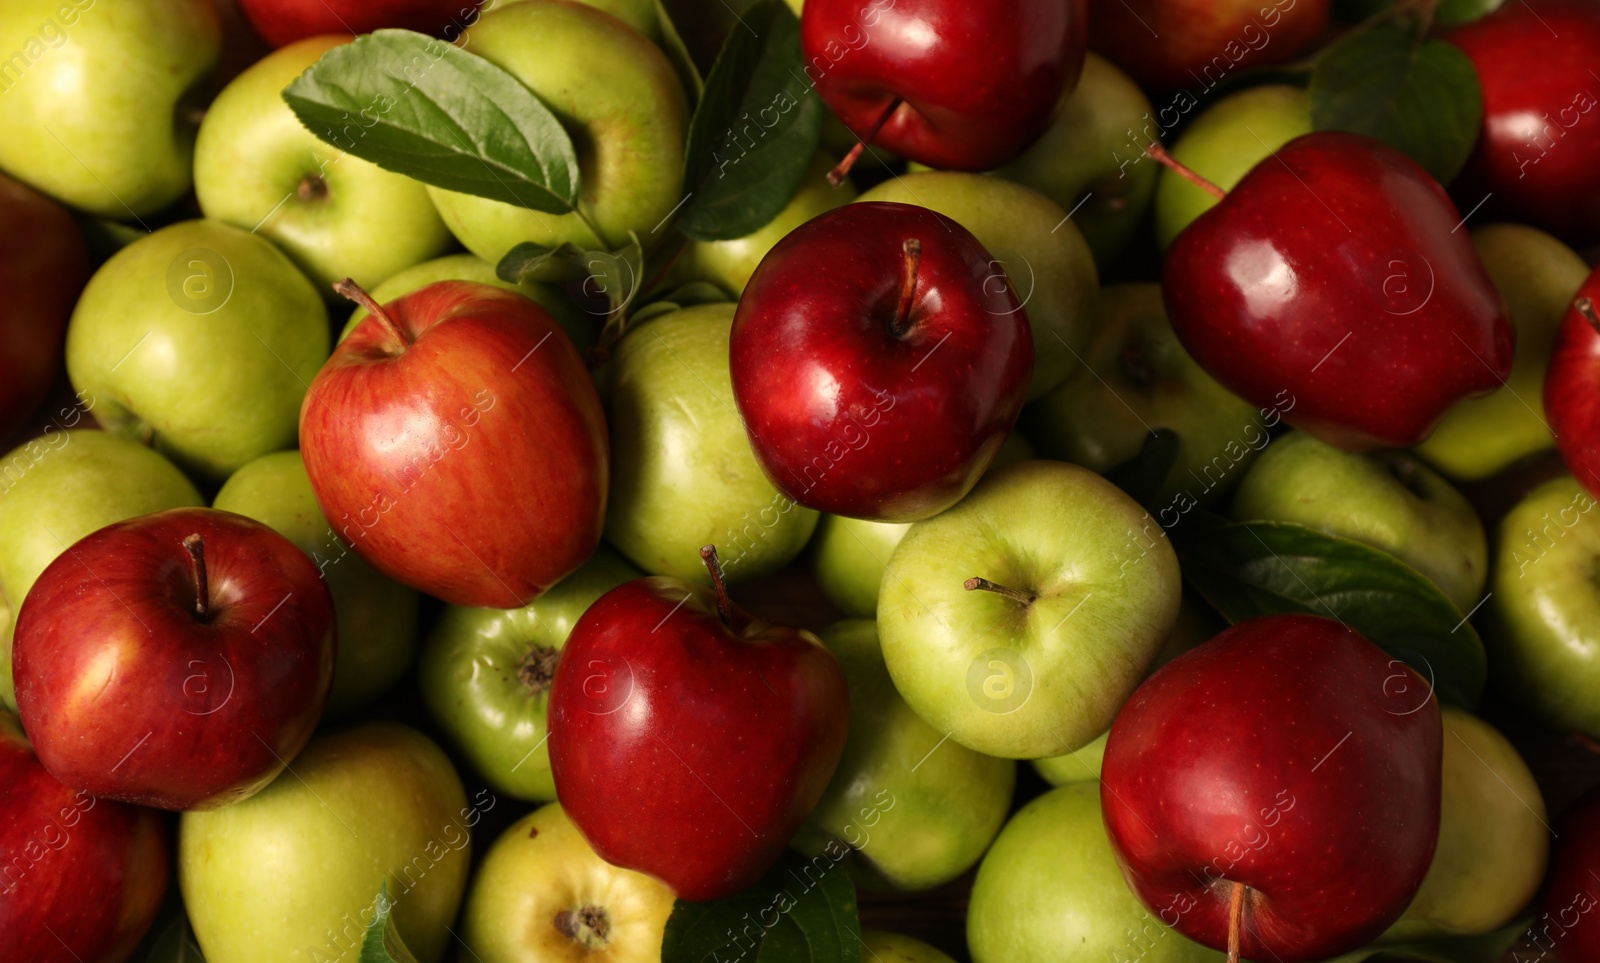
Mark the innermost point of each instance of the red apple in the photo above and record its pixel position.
(282, 22)
(879, 360)
(689, 740)
(1190, 44)
(177, 660)
(1572, 386)
(456, 442)
(82, 877)
(949, 83)
(1569, 924)
(1288, 767)
(1333, 276)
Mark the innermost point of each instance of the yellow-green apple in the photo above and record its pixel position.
(43, 265)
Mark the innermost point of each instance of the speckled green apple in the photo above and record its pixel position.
(377, 616)
(199, 339)
(336, 216)
(1085, 590)
(485, 676)
(97, 99)
(58, 488)
(1388, 500)
(293, 872)
(682, 472)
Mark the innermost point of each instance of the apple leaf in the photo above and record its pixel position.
(1249, 569)
(755, 130)
(678, 52)
(383, 944)
(1452, 13)
(421, 107)
(1420, 97)
(802, 911)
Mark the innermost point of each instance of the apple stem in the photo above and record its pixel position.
(908, 287)
(708, 554)
(1160, 155)
(1235, 921)
(1585, 307)
(839, 173)
(975, 584)
(354, 292)
(197, 557)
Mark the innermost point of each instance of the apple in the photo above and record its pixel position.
(83, 877)
(831, 370)
(689, 740)
(1189, 44)
(376, 616)
(199, 339)
(683, 472)
(98, 100)
(176, 660)
(1571, 399)
(485, 676)
(1388, 500)
(1537, 275)
(629, 122)
(878, 946)
(336, 216)
(43, 264)
(455, 441)
(294, 871)
(1566, 928)
(1034, 248)
(1251, 779)
(1019, 620)
(55, 490)
(542, 894)
(282, 22)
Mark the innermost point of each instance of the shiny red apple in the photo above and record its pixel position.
(1572, 386)
(1333, 283)
(1288, 767)
(1569, 922)
(879, 359)
(1195, 44)
(178, 660)
(456, 442)
(282, 22)
(689, 740)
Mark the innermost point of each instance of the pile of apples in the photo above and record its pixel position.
(603, 578)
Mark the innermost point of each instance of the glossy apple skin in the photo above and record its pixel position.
(129, 695)
(1572, 389)
(83, 877)
(1191, 44)
(1538, 151)
(472, 463)
(689, 749)
(43, 265)
(979, 81)
(1569, 924)
(282, 22)
(1289, 754)
(1331, 272)
(844, 415)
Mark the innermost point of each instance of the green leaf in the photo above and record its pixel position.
(382, 943)
(802, 911)
(611, 278)
(421, 107)
(1452, 13)
(1143, 475)
(1419, 97)
(755, 130)
(678, 52)
(1249, 569)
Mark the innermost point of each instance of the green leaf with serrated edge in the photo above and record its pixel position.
(1421, 98)
(801, 911)
(1249, 569)
(382, 943)
(529, 259)
(678, 52)
(434, 112)
(755, 130)
(1451, 13)
(1142, 476)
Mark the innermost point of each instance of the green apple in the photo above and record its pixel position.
(377, 615)
(293, 872)
(1537, 275)
(97, 100)
(1133, 378)
(1032, 244)
(1084, 590)
(628, 123)
(336, 216)
(1494, 838)
(1050, 889)
(917, 809)
(682, 471)
(201, 339)
(1388, 500)
(878, 946)
(485, 676)
(1222, 144)
(1543, 629)
(543, 896)
(56, 489)
(1079, 765)
(638, 14)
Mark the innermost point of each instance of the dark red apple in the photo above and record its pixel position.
(689, 740)
(1538, 154)
(282, 22)
(950, 83)
(456, 442)
(1572, 386)
(1195, 44)
(178, 660)
(879, 361)
(1289, 765)
(1332, 282)
(1569, 922)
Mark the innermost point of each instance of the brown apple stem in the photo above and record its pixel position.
(1585, 307)
(197, 558)
(1235, 921)
(708, 554)
(354, 292)
(982, 584)
(839, 173)
(1159, 155)
(908, 287)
